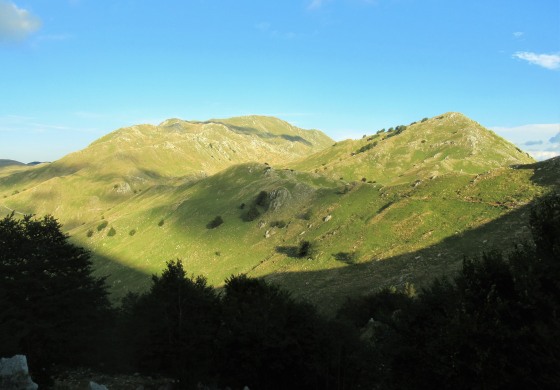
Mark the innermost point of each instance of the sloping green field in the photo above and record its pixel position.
(402, 211)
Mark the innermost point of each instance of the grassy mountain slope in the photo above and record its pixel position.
(127, 161)
(423, 205)
(447, 143)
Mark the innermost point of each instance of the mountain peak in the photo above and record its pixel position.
(446, 143)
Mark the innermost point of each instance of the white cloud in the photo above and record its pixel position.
(548, 61)
(518, 34)
(543, 155)
(16, 23)
(539, 140)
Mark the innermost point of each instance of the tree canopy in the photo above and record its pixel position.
(50, 304)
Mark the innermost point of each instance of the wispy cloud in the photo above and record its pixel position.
(18, 123)
(533, 142)
(518, 34)
(263, 26)
(555, 139)
(316, 4)
(16, 23)
(53, 37)
(267, 28)
(548, 61)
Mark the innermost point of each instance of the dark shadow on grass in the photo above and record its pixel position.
(121, 279)
(328, 289)
(252, 131)
(546, 173)
(290, 251)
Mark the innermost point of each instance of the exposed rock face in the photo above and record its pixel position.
(14, 374)
(95, 386)
(278, 198)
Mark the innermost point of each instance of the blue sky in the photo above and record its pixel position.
(74, 70)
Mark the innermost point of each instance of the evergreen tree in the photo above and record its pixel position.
(51, 307)
(172, 329)
(275, 342)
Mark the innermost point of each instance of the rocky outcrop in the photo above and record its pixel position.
(95, 386)
(14, 374)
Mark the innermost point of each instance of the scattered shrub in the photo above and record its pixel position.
(242, 206)
(262, 199)
(111, 232)
(251, 214)
(366, 147)
(215, 222)
(161, 222)
(132, 232)
(345, 257)
(307, 214)
(102, 225)
(279, 224)
(424, 119)
(89, 233)
(305, 249)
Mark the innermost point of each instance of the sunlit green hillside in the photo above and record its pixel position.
(422, 150)
(403, 210)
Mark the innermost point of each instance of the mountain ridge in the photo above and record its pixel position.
(361, 208)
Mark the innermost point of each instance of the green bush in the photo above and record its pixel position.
(161, 222)
(102, 225)
(262, 199)
(251, 214)
(89, 233)
(305, 249)
(132, 232)
(367, 147)
(215, 222)
(111, 232)
(345, 257)
(280, 224)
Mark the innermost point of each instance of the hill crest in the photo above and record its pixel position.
(399, 211)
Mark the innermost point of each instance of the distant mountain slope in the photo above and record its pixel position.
(6, 163)
(177, 147)
(433, 192)
(135, 158)
(432, 147)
